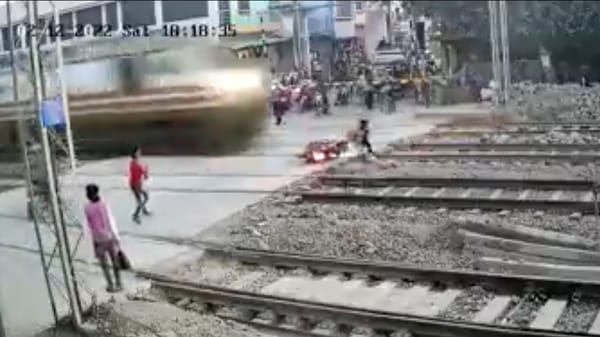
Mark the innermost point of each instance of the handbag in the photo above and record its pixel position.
(123, 261)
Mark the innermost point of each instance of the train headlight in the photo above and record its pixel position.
(318, 156)
(236, 80)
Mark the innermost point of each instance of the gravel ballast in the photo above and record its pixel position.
(579, 315)
(553, 102)
(425, 237)
(151, 319)
(468, 304)
(466, 169)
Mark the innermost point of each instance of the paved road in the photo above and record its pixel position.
(181, 208)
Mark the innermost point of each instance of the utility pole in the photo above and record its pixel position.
(63, 92)
(296, 34)
(59, 225)
(505, 49)
(306, 45)
(22, 124)
(2, 330)
(24, 136)
(493, 12)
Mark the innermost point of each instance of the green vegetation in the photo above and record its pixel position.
(566, 29)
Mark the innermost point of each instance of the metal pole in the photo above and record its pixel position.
(21, 123)
(23, 134)
(59, 225)
(494, 44)
(306, 45)
(296, 37)
(63, 92)
(505, 49)
(2, 330)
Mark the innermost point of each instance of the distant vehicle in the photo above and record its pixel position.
(389, 57)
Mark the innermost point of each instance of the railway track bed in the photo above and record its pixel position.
(483, 156)
(342, 297)
(466, 146)
(523, 129)
(489, 194)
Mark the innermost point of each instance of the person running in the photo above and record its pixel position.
(105, 236)
(363, 131)
(360, 137)
(138, 173)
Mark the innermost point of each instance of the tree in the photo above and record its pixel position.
(567, 29)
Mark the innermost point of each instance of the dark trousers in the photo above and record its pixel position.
(141, 198)
(369, 100)
(365, 143)
(105, 251)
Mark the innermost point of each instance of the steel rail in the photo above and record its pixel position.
(497, 131)
(391, 270)
(498, 204)
(532, 124)
(400, 181)
(471, 146)
(491, 155)
(419, 326)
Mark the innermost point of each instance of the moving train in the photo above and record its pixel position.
(186, 100)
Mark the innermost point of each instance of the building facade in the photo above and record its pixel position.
(112, 15)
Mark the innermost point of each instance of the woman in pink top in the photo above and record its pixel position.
(104, 235)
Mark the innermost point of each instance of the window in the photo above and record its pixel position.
(182, 10)
(111, 15)
(91, 16)
(224, 13)
(344, 9)
(243, 6)
(66, 20)
(223, 5)
(5, 39)
(138, 13)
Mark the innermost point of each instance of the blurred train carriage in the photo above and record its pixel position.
(180, 100)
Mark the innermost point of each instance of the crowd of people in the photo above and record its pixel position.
(353, 80)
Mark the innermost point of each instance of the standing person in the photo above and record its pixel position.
(369, 96)
(138, 173)
(105, 236)
(279, 108)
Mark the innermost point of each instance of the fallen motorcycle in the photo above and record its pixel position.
(323, 150)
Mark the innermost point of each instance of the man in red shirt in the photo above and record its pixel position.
(138, 173)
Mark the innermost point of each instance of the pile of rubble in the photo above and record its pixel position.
(553, 102)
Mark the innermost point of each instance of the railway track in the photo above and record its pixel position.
(399, 181)
(574, 149)
(509, 131)
(383, 297)
(482, 156)
(535, 125)
(460, 193)
(514, 129)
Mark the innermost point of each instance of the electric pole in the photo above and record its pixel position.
(63, 92)
(59, 226)
(505, 49)
(493, 12)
